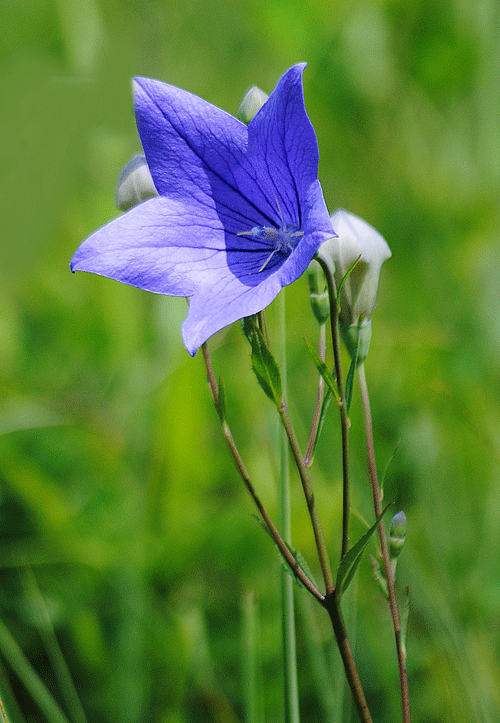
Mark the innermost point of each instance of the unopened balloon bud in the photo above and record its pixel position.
(251, 104)
(135, 184)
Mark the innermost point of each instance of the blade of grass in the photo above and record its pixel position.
(52, 648)
(252, 683)
(292, 714)
(29, 677)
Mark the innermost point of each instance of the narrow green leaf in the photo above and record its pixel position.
(322, 416)
(263, 362)
(323, 370)
(350, 561)
(221, 401)
(384, 474)
(349, 382)
(345, 277)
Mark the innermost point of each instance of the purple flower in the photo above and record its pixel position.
(240, 211)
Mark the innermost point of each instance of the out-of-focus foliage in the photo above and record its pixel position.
(115, 486)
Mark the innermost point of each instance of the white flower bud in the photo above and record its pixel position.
(357, 240)
(251, 104)
(135, 184)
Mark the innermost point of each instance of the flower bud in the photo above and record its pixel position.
(357, 337)
(318, 292)
(251, 104)
(135, 184)
(397, 534)
(358, 243)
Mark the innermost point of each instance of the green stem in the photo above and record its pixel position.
(330, 602)
(332, 606)
(377, 502)
(271, 527)
(310, 498)
(344, 419)
(292, 714)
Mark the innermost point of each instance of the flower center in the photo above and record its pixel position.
(283, 240)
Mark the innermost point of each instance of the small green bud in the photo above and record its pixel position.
(397, 534)
(135, 184)
(318, 292)
(251, 104)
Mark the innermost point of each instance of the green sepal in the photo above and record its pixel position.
(221, 401)
(349, 382)
(263, 362)
(345, 277)
(352, 558)
(323, 370)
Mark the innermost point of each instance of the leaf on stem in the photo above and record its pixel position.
(263, 362)
(349, 382)
(322, 416)
(352, 558)
(384, 474)
(323, 370)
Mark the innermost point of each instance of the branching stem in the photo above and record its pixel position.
(305, 478)
(377, 502)
(283, 547)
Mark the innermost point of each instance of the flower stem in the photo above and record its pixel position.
(292, 714)
(310, 498)
(330, 601)
(271, 527)
(344, 419)
(377, 502)
(332, 606)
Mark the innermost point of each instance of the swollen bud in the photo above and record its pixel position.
(251, 104)
(135, 184)
(397, 534)
(358, 254)
(318, 292)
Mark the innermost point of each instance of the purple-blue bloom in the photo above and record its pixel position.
(240, 211)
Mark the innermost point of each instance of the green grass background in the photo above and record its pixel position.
(115, 486)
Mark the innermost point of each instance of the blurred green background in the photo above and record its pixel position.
(116, 489)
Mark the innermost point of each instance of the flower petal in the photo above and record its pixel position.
(282, 145)
(230, 198)
(159, 245)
